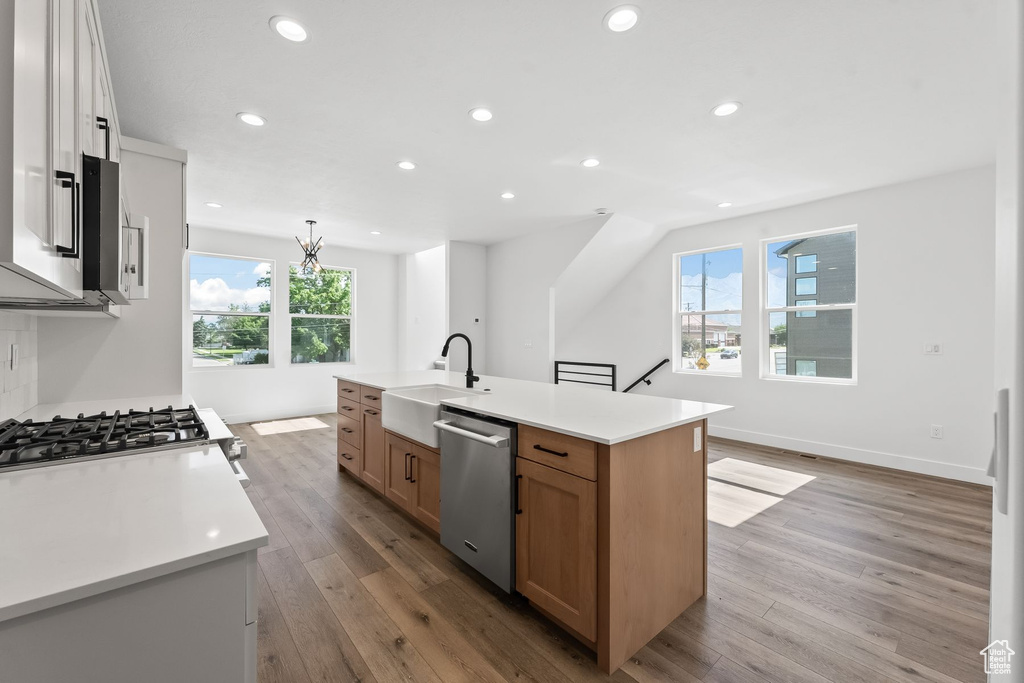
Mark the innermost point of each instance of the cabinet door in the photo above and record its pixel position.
(397, 470)
(349, 457)
(556, 544)
(88, 52)
(426, 478)
(373, 449)
(64, 117)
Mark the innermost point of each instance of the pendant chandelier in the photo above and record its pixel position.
(310, 249)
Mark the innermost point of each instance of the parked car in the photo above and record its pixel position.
(729, 353)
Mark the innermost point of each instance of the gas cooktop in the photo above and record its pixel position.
(67, 439)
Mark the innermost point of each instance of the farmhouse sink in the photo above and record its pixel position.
(412, 411)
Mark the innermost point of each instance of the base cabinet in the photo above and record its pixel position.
(398, 485)
(372, 468)
(426, 473)
(556, 544)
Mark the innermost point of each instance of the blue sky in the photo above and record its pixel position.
(216, 282)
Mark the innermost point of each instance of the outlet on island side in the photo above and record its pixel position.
(936, 431)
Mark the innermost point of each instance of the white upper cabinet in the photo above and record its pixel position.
(62, 108)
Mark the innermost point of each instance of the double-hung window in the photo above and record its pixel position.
(811, 306)
(320, 303)
(709, 298)
(229, 298)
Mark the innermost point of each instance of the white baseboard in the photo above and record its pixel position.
(264, 415)
(934, 468)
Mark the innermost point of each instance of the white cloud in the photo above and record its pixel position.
(261, 269)
(213, 294)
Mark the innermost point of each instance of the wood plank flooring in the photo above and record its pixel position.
(819, 570)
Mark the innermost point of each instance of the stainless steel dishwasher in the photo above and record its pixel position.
(478, 457)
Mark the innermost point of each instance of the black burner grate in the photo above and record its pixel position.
(27, 443)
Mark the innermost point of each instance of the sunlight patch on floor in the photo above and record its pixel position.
(730, 505)
(297, 424)
(760, 477)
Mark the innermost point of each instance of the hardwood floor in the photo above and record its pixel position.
(818, 571)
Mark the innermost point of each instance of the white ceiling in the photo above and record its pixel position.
(838, 96)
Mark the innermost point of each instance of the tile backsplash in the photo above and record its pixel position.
(19, 387)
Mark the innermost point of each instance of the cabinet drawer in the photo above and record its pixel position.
(369, 396)
(349, 390)
(350, 429)
(349, 408)
(349, 456)
(566, 453)
(370, 411)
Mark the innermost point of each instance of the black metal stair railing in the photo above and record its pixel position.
(645, 376)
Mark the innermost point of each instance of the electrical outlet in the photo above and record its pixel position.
(936, 431)
(698, 439)
(528, 344)
(933, 349)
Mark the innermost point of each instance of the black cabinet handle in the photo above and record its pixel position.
(347, 456)
(348, 408)
(412, 475)
(538, 447)
(368, 411)
(346, 430)
(347, 391)
(408, 476)
(519, 510)
(67, 181)
(371, 397)
(104, 125)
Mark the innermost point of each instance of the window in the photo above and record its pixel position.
(811, 320)
(320, 305)
(229, 299)
(807, 263)
(709, 292)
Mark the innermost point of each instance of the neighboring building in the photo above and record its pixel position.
(821, 270)
(717, 333)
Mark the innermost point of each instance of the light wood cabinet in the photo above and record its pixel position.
(398, 485)
(372, 471)
(349, 457)
(426, 474)
(556, 544)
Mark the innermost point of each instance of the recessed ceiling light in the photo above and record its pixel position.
(406, 165)
(290, 29)
(507, 195)
(622, 18)
(481, 114)
(602, 211)
(590, 163)
(214, 205)
(375, 232)
(725, 205)
(251, 119)
(726, 109)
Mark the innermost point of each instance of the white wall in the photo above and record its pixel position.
(467, 302)
(520, 275)
(422, 314)
(280, 389)
(19, 387)
(1007, 603)
(925, 262)
(139, 354)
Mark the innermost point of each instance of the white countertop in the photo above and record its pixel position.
(74, 530)
(603, 416)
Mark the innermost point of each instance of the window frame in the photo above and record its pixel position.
(677, 323)
(764, 351)
(351, 317)
(269, 315)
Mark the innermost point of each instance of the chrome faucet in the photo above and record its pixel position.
(470, 377)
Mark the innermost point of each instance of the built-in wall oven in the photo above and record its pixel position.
(478, 457)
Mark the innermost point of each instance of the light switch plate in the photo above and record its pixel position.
(698, 439)
(14, 356)
(933, 349)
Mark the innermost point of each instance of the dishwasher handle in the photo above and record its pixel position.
(494, 441)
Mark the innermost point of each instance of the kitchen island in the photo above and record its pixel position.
(611, 522)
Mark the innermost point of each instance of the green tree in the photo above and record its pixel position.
(315, 293)
(779, 335)
(201, 332)
(690, 345)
